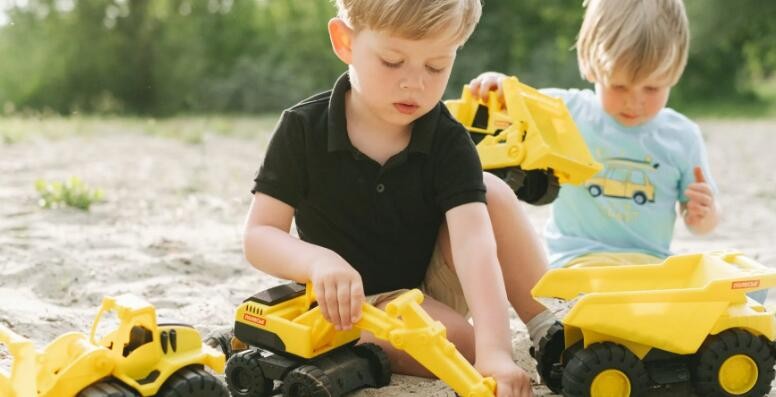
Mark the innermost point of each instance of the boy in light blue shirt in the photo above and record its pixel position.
(654, 158)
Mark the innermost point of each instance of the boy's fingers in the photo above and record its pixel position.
(698, 197)
(331, 304)
(320, 296)
(699, 175)
(343, 303)
(356, 301)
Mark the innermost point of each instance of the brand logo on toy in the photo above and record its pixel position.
(254, 319)
(745, 284)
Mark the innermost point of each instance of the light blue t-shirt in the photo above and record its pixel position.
(631, 205)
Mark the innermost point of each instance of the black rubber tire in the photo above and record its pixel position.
(378, 362)
(108, 388)
(718, 348)
(594, 190)
(639, 198)
(244, 376)
(548, 357)
(539, 187)
(587, 363)
(307, 381)
(192, 381)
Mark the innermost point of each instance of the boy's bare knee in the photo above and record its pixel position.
(497, 191)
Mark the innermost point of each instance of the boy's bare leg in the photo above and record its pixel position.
(459, 332)
(520, 253)
(522, 258)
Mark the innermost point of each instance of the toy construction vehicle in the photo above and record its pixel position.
(297, 346)
(635, 327)
(530, 141)
(139, 358)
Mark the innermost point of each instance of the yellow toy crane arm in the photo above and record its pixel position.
(20, 382)
(409, 328)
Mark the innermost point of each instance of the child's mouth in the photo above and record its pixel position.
(406, 108)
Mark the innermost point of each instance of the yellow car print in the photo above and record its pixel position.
(623, 178)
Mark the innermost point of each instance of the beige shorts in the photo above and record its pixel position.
(613, 259)
(440, 283)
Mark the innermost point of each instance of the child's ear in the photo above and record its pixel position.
(341, 36)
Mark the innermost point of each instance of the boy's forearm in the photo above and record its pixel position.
(483, 286)
(277, 253)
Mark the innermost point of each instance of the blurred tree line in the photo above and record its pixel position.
(163, 57)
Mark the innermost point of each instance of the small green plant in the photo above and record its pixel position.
(73, 193)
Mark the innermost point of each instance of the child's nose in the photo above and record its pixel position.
(412, 81)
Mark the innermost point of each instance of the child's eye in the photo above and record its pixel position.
(434, 70)
(618, 87)
(651, 89)
(392, 65)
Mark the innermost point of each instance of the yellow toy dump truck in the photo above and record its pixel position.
(139, 358)
(296, 345)
(635, 327)
(530, 140)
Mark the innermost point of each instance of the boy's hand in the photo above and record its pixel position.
(339, 291)
(701, 200)
(482, 85)
(511, 380)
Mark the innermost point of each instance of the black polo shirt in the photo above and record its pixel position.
(383, 220)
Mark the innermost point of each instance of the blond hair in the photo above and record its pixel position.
(412, 19)
(643, 38)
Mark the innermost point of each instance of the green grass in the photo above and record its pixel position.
(73, 192)
(762, 105)
(191, 129)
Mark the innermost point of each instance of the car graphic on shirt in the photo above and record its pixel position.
(624, 178)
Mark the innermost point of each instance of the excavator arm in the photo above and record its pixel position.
(409, 328)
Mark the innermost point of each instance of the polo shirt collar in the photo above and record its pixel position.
(422, 129)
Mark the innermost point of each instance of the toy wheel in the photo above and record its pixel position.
(539, 187)
(193, 382)
(734, 363)
(605, 369)
(244, 376)
(639, 198)
(594, 190)
(307, 381)
(107, 388)
(379, 364)
(548, 357)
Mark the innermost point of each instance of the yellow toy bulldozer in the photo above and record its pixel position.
(687, 319)
(139, 358)
(294, 344)
(530, 140)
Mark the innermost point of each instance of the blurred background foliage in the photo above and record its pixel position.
(167, 57)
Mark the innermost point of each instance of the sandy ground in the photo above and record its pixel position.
(170, 228)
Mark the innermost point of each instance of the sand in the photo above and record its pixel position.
(170, 228)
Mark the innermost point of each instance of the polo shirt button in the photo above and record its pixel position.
(380, 188)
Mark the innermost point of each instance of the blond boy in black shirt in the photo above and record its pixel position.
(388, 194)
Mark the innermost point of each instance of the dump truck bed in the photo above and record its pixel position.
(671, 305)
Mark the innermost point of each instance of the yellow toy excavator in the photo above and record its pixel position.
(139, 358)
(687, 319)
(530, 140)
(294, 344)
